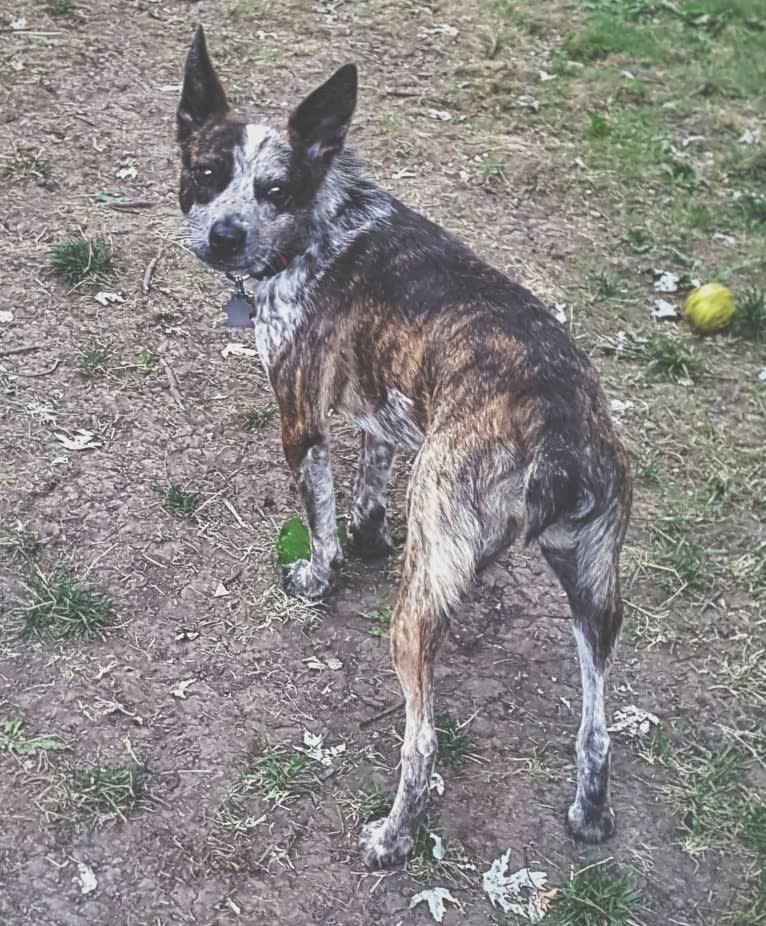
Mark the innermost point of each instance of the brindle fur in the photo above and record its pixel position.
(383, 318)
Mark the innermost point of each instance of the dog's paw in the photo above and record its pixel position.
(382, 848)
(300, 581)
(589, 823)
(370, 540)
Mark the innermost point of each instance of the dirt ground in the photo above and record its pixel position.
(95, 92)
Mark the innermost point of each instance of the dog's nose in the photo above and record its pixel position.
(227, 237)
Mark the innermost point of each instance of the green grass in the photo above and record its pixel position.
(181, 502)
(14, 740)
(61, 7)
(364, 806)
(78, 258)
(454, 745)
(23, 164)
(600, 895)
(670, 359)
(710, 796)
(100, 794)
(380, 622)
(628, 143)
(683, 557)
(604, 34)
(273, 775)
(94, 362)
(258, 419)
(59, 605)
(750, 316)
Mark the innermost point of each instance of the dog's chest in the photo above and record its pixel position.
(277, 316)
(391, 422)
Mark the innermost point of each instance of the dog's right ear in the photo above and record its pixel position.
(202, 96)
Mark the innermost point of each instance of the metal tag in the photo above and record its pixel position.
(238, 312)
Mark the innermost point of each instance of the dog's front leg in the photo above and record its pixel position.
(308, 456)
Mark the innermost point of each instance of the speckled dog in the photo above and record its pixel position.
(365, 309)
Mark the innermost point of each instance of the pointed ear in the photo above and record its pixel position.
(319, 124)
(202, 95)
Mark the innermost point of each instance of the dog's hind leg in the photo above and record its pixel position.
(369, 533)
(443, 548)
(585, 559)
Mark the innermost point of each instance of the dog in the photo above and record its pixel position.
(365, 309)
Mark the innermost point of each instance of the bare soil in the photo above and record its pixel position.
(95, 91)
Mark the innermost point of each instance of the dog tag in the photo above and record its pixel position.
(238, 312)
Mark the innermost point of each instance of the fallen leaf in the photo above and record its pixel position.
(18, 23)
(544, 75)
(435, 897)
(334, 664)
(436, 783)
(440, 114)
(560, 312)
(221, 591)
(666, 281)
(238, 350)
(6, 317)
(749, 137)
(88, 881)
(179, 690)
(762, 375)
(664, 309)
(126, 172)
(438, 851)
(620, 406)
(314, 664)
(105, 298)
(316, 750)
(80, 440)
(633, 721)
(186, 636)
(521, 893)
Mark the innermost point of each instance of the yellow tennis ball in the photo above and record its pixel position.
(709, 307)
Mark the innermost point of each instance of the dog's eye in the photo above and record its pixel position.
(204, 173)
(278, 195)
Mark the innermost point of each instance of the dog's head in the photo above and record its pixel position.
(249, 190)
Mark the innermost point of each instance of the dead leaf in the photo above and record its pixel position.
(236, 349)
(664, 309)
(106, 298)
(521, 893)
(435, 897)
(6, 317)
(180, 688)
(79, 440)
(88, 881)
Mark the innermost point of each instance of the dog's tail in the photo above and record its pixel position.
(554, 488)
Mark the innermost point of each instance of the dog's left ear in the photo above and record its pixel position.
(202, 96)
(318, 126)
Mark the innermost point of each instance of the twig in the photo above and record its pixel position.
(381, 715)
(21, 350)
(146, 283)
(50, 369)
(173, 384)
(131, 205)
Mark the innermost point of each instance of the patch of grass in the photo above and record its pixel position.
(750, 315)
(23, 164)
(491, 168)
(670, 359)
(600, 895)
(380, 622)
(683, 558)
(94, 362)
(605, 34)
(752, 828)
(258, 419)
(454, 744)
(598, 126)
(181, 502)
(21, 540)
(640, 239)
(100, 794)
(365, 806)
(61, 7)
(15, 741)
(273, 775)
(633, 147)
(78, 258)
(605, 287)
(709, 796)
(751, 209)
(59, 605)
